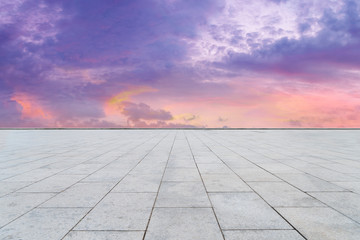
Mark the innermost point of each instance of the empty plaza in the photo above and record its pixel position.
(180, 184)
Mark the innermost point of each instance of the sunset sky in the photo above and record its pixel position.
(180, 63)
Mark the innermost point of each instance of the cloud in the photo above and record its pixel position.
(295, 123)
(142, 111)
(30, 108)
(90, 123)
(220, 119)
(309, 57)
(187, 117)
(161, 124)
(72, 56)
(278, 1)
(119, 99)
(10, 114)
(75, 63)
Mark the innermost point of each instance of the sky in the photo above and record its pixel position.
(180, 63)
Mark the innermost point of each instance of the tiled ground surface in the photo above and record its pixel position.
(180, 184)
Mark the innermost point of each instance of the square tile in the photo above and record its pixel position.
(245, 211)
(183, 223)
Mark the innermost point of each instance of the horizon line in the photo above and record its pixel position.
(122, 128)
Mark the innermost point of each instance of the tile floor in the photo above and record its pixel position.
(180, 184)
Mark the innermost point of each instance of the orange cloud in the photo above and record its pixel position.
(320, 109)
(31, 108)
(115, 103)
(81, 75)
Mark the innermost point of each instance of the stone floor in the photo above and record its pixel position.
(180, 184)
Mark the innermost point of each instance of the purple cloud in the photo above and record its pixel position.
(142, 111)
(336, 45)
(72, 56)
(144, 39)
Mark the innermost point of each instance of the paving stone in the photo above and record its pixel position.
(355, 175)
(279, 194)
(182, 194)
(308, 183)
(183, 223)
(278, 168)
(43, 223)
(329, 175)
(120, 211)
(321, 223)
(139, 183)
(255, 174)
(80, 195)
(214, 169)
(262, 235)
(102, 160)
(181, 174)
(282, 166)
(6, 175)
(9, 187)
(14, 205)
(104, 235)
(55, 183)
(148, 169)
(108, 174)
(245, 211)
(209, 159)
(342, 168)
(181, 163)
(33, 175)
(351, 186)
(345, 202)
(236, 161)
(83, 169)
(224, 183)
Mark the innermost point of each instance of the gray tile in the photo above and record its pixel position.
(108, 174)
(9, 187)
(182, 194)
(355, 175)
(321, 223)
(181, 174)
(45, 223)
(331, 159)
(278, 168)
(255, 174)
(282, 194)
(147, 167)
(224, 183)
(351, 186)
(262, 235)
(139, 183)
(56, 183)
(33, 175)
(120, 211)
(345, 202)
(14, 205)
(104, 159)
(245, 211)
(236, 161)
(208, 158)
(214, 169)
(343, 168)
(83, 169)
(183, 223)
(80, 195)
(308, 183)
(329, 175)
(181, 163)
(104, 235)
